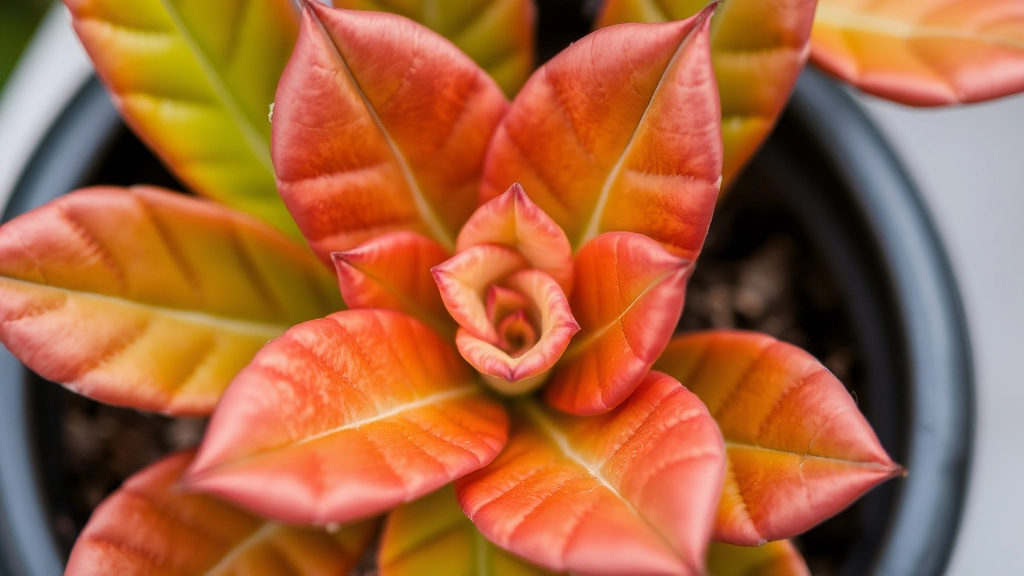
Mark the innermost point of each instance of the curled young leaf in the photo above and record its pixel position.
(778, 558)
(645, 156)
(632, 491)
(150, 299)
(421, 112)
(194, 80)
(923, 52)
(149, 526)
(628, 299)
(393, 272)
(798, 449)
(758, 48)
(433, 536)
(530, 340)
(497, 34)
(465, 279)
(513, 220)
(346, 417)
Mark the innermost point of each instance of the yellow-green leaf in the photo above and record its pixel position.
(433, 536)
(195, 79)
(778, 558)
(150, 299)
(758, 48)
(497, 34)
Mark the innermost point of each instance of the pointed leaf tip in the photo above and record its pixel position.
(649, 145)
(798, 449)
(422, 112)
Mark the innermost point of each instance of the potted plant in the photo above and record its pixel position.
(546, 320)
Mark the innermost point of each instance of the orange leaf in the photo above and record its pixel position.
(644, 156)
(433, 536)
(194, 79)
(393, 272)
(778, 558)
(632, 491)
(346, 417)
(923, 52)
(420, 111)
(758, 48)
(497, 34)
(149, 526)
(628, 299)
(524, 370)
(798, 449)
(513, 220)
(150, 299)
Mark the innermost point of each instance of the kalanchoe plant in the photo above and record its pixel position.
(505, 384)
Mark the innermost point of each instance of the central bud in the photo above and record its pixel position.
(507, 289)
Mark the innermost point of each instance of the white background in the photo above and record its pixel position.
(969, 164)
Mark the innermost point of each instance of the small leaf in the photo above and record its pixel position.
(645, 156)
(632, 491)
(194, 79)
(758, 48)
(628, 300)
(346, 417)
(548, 311)
(497, 34)
(464, 279)
(433, 536)
(778, 558)
(421, 112)
(150, 299)
(513, 220)
(149, 526)
(798, 449)
(923, 52)
(393, 272)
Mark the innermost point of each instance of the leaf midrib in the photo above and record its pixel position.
(748, 446)
(594, 220)
(433, 223)
(264, 330)
(853, 20)
(258, 144)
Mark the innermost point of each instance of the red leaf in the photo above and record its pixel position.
(346, 417)
(380, 125)
(632, 491)
(628, 299)
(621, 131)
(799, 450)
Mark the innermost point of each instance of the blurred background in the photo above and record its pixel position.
(968, 163)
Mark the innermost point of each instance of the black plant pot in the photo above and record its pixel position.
(825, 171)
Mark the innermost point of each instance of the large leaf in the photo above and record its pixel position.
(628, 299)
(433, 536)
(778, 558)
(150, 299)
(923, 52)
(380, 125)
(629, 492)
(393, 272)
(195, 79)
(345, 417)
(758, 48)
(798, 449)
(149, 526)
(497, 34)
(621, 131)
